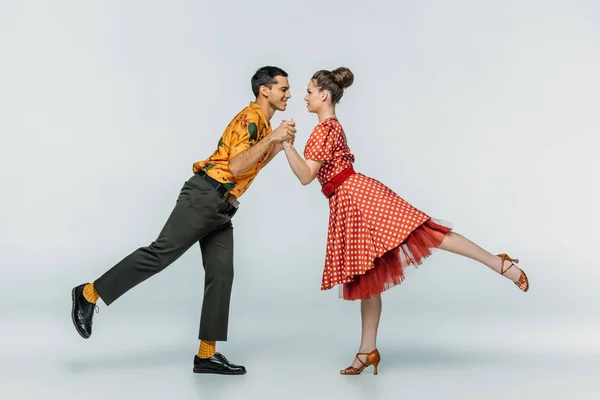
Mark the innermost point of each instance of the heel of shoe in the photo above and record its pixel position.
(374, 358)
(513, 261)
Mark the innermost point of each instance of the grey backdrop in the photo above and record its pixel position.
(483, 114)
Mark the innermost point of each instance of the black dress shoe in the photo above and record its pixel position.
(217, 364)
(82, 312)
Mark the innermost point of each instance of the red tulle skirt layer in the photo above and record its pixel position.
(388, 270)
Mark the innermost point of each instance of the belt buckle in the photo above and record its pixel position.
(231, 199)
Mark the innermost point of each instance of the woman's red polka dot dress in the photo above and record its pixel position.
(373, 233)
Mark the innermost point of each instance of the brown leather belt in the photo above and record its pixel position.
(229, 198)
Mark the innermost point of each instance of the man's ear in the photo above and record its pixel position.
(264, 91)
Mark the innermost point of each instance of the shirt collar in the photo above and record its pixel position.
(254, 105)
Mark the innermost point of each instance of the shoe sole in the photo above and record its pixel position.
(212, 371)
(73, 316)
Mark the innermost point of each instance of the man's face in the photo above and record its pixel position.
(279, 93)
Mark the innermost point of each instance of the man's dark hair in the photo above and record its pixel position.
(265, 76)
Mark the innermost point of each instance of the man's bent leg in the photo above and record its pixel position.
(176, 237)
(194, 215)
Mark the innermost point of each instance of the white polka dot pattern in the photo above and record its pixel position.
(328, 143)
(366, 218)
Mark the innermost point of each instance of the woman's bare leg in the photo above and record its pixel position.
(370, 312)
(458, 244)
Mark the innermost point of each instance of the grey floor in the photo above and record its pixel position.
(147, 354)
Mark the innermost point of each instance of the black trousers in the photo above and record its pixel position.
(201, 215)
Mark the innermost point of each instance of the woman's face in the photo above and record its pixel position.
(314, 97)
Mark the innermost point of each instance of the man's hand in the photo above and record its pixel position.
(287, 141)
(285, 131)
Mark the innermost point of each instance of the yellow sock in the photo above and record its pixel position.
(207, 349)
(90, 294)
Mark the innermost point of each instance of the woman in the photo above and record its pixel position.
(373, 233)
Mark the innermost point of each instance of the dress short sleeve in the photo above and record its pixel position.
(320, 144)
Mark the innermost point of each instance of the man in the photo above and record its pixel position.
(202, 213)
